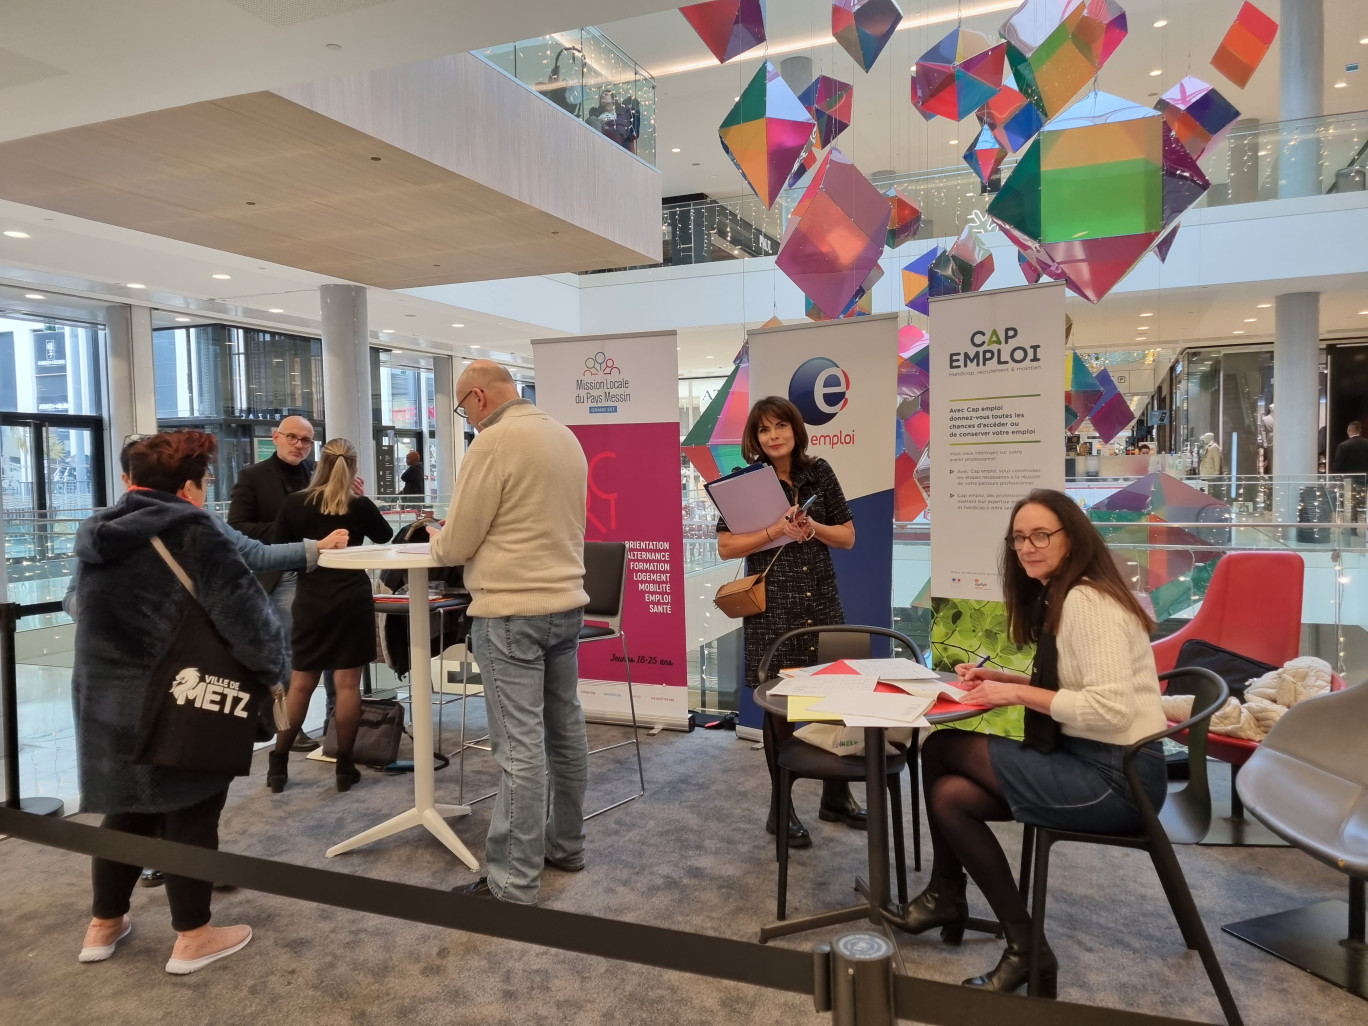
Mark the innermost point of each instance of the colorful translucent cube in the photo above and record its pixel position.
(1013, 119)
(904, 218)
(1112, 414)
(1081, 392)
(1245, 44)
(965, 267)
(829, 101)
(1198, 115)
(864, 27)
(1055, 47)
(957, 76)
(835, 234)
(1095, 191)
(727, 27)
(765, 133)
(985, 156)
(916, 281)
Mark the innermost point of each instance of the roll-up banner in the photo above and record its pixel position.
(842, 376)
(619, 394)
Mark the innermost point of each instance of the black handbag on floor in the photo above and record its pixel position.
(202, 710)
(377, 734)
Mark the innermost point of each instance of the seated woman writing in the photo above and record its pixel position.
(1093, 690)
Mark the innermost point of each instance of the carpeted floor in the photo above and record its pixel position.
(692, 855)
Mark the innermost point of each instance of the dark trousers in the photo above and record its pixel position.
(113, 882)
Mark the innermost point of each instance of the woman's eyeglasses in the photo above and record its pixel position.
(1037, 539)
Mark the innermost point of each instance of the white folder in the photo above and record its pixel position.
(751, 499)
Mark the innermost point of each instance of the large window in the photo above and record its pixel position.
(405, 417)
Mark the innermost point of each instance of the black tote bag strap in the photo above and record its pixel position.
(176, 568)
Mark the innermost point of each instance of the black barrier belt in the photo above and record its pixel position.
(926, 1001)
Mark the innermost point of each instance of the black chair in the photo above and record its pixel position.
(1211, 694)
(799, 760)
(605, 580)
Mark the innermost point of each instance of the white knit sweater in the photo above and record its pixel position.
(1108, 687)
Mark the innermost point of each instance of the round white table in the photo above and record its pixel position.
(425, 812)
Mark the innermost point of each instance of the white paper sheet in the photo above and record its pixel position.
(872, 721)
(803, 671)
(900, 710)
(826, 684)
(893, 669)
(927, 689)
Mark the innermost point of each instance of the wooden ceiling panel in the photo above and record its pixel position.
(265, 177)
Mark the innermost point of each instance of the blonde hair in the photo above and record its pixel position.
(330, 488)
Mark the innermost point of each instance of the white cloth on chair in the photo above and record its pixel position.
(1266, 699)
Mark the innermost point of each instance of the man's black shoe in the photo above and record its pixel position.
(151, 878)
(479, 889)
(304, 743)
(564, 867)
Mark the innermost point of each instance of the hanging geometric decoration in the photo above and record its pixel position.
(864, 27)
(860, 305)
(713, 444)
(765, 133)
(965, 267)
(728, 27)
(957, 75)
(1245, 43)
(1165, 243)
(1081, 392)
(1112, 414)
(806, 162)
(1095, 191)
(829, 101)
(985, 155)
(904, 218)
(1055, 47)
(1011, 118)
(909, 502)
(1035, 264)
(916, 279)
(913, 345)
(835, 234)
(1198, 115)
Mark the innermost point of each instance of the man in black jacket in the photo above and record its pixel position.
(257, 496)
(1351, 457)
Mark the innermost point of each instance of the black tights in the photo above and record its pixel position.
(776, 731)
(962, 797)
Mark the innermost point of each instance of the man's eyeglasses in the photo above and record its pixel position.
(460, 404)
(1038, 539)
(294, 439)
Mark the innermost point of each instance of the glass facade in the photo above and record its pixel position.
(404, 415)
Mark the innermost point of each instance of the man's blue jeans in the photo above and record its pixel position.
(536, 730)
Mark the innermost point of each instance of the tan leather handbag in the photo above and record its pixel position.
(744, 596)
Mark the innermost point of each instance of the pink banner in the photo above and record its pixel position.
(634, 498)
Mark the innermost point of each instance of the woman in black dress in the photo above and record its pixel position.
(800, 588)
(334, 621)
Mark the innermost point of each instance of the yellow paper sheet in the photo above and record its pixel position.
(798, 711)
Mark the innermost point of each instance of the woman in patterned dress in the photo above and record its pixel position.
(800, 588)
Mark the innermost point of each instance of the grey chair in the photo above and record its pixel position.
(1308, 783)
(605, 580)
(1210, 694)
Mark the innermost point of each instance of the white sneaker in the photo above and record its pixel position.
(193, 953)
(101, 939)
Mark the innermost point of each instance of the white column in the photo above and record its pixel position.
(346, 372)
(1295, 359)
(450, 447)
(1301, 58)
(131, 384)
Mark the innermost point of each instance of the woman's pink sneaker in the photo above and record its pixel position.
(197, 948)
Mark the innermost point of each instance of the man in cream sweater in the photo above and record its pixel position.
(517, 524)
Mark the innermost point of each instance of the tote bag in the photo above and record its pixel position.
(203, 707)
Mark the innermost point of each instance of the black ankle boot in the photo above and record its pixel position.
(843, 808)
(1014, 967)
(798, 837)
(347, 773)
(942, 904)
(277, 770)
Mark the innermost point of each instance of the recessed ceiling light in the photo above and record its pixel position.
(1148, 313)
(1237, 332)
(1142, 327)
(1141, 338)
(1341, 85)
(953, 142)
(458, 325)
(183, 320)
(1161, 23)
(34, 295)
(18, 235)
(474, 347)
(135, 285)
(221, 277)
(1156, 72)
(1250, 320)
(674, 149)
(332, 46)
(276, 309)
(1264, 306)
(1363, 313)
(710, 357)
(387, 331)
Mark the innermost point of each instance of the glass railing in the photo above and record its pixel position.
(1243, 168)
(584, 74)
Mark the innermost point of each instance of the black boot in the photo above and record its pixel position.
(1014, 967)
(840, 806)
(798, 837)
(942, 904)
(347, 773)
(277, 770)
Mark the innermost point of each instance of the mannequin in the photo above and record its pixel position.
(1209, 463)
(1266, 439)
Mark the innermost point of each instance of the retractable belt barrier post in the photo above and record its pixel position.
(847, 977)
(10, 615)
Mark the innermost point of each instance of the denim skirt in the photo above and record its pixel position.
(1078, 786)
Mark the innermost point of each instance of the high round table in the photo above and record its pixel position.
(425, 812)
(877, 906)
